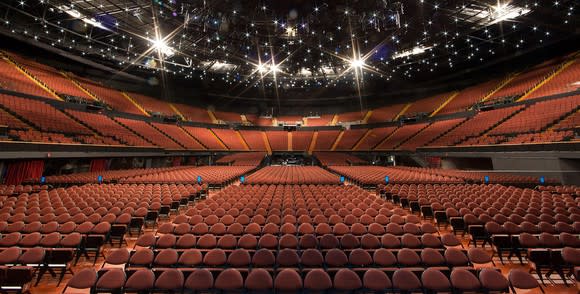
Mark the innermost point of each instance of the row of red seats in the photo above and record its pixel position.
(337, 158)
(292, 175)
(537, 116)
(209, 174)
(108, 127)
(245, 158)
(92, 177)
(375, 175)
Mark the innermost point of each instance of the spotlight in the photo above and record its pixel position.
(357, 63)
(162, 47)
(261, 68)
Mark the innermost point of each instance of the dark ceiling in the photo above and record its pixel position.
(285, 53)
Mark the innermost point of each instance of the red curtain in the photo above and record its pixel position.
(98, 165)
(19, 171)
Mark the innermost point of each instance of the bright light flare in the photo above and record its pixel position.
(161, 46)
(357, 63)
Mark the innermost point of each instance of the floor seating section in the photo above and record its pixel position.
(107, 176)
(324, 238)
(291, 175)
(376, 175)
(214, 175)
(338, 158)
(246, 158)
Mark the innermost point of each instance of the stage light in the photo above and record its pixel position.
(162, 47)
(261, 68)
(357, 63)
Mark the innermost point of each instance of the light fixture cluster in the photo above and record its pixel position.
(255, 43)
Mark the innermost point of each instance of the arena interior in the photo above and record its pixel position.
(256, 146)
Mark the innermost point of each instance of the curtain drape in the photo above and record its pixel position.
(19, 171)
(98, 165)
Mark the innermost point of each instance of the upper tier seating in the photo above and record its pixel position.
(301, 140)
(291, 119)
(350, 138)
(278, 140)
(145, 130)
(325, 140)
(469, 96)
(400, 135)
(259, 121)
(7, 119)
(230, 138)
(322, 120)
(195, 114)
(431, 132)
(12, 79)
(387, 113)
(569, 123)
(110, 96)
(475, 126)
(52, 78)
(375, 137)
(43, 116)
(254, 139)
(337, 158)
(427, 105)
(228, 116)
(152, 105)
(178, 134)
(351, 116)
(108, 127)
(525, 81)
(292, 175)
(565, 81)
(205, 137)
(538, 116)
